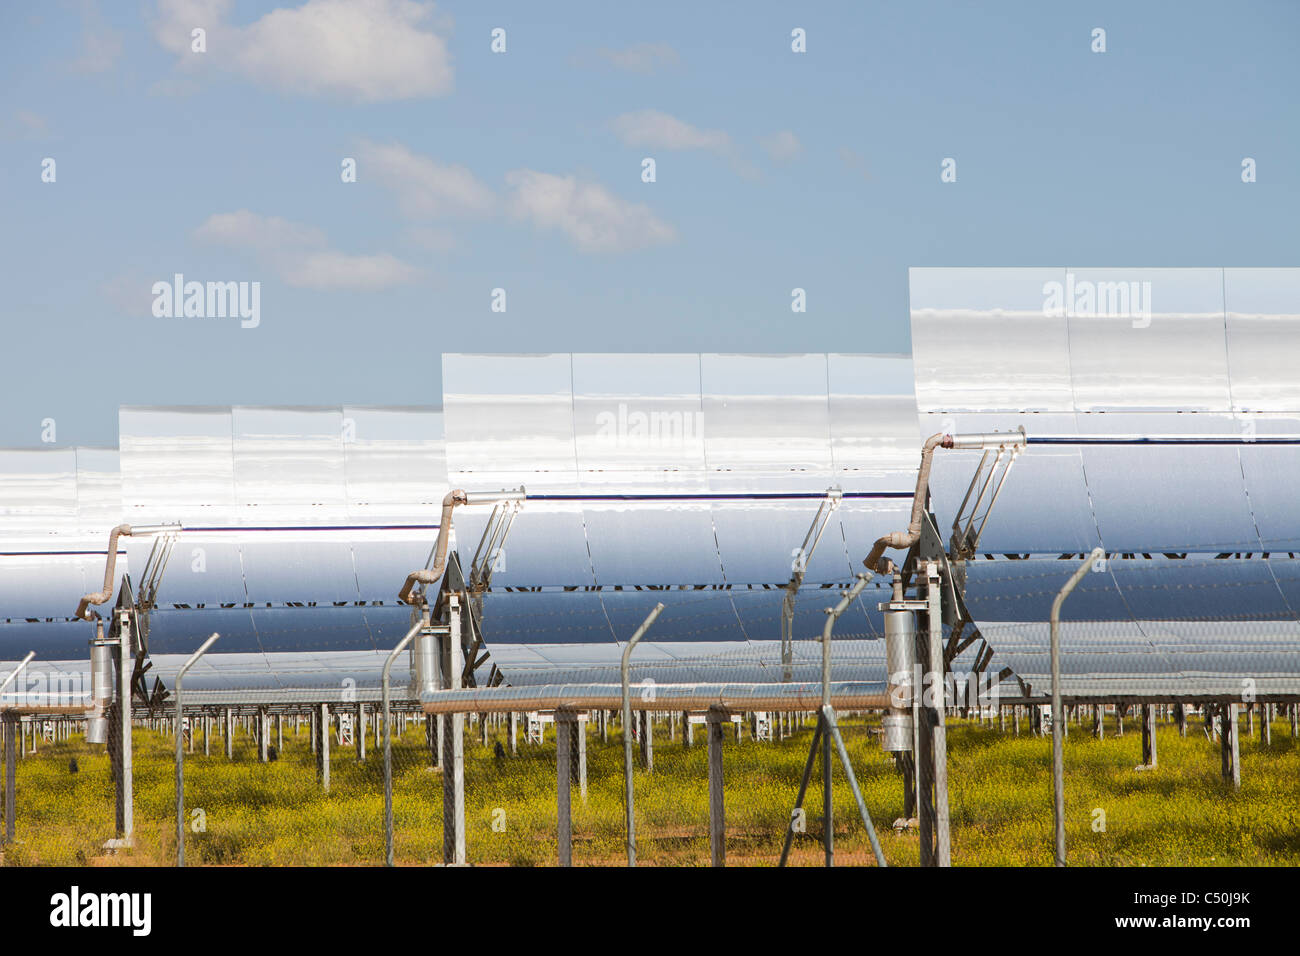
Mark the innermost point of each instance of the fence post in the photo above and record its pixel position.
(717, 808)
(323, 748)
(565, 722)
(180, 752)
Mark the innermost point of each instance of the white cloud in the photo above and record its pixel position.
(101, 45)
(855, 161)
(641, 57)
(262, 233)
(593, 218)
(31, 125)
(424, 187)
(659, 130)
(178, 18)
(435, 240)
(360, 50)
(301, 255)
(329, 269)
(782, 147)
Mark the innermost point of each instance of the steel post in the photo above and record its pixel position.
(180, 756)
(939, 750)
(385, 704)
(453, 742)
(125, 777)
(1058, 715)
(10, 742)
(263, 735)
(625, 677)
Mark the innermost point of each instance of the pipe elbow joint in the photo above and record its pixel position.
(84, 611)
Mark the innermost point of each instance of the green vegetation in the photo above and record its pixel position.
(276, 814)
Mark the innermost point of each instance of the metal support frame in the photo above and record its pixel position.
(805, 552)
(180, 756)
(827, 731)
(1230, 744)
(263, 735)
(493, 539)
(827, 728)
(929, 718)
(966, 539)
(1149, 735)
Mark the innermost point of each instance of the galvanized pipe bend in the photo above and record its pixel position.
(433, 574)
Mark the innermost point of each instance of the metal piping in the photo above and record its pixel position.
(847, 695)
(110, 566)
(433, 574)
(875, 561)
(101, 686)
(458, 496)
(625, 673)
(900, 661)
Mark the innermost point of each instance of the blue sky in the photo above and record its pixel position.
(522, 171)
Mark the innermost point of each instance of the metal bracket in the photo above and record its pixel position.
(815, 530)
(968, 526)
(491, 543)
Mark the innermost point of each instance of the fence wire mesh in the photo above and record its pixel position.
(256, 791)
